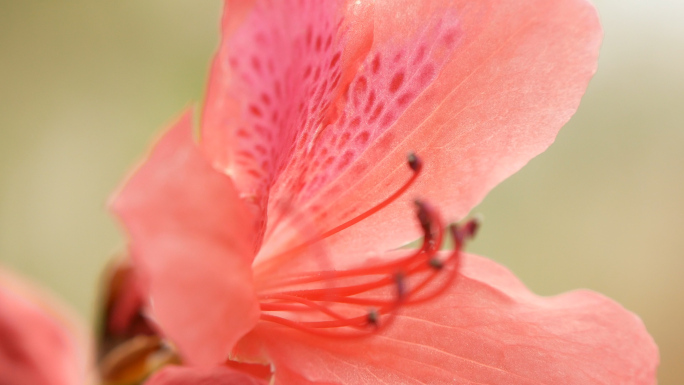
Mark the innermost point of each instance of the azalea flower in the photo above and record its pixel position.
(271, 250)
(40, 343)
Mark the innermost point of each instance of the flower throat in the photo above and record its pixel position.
(363, 301)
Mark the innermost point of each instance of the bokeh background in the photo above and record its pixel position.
(86, 85)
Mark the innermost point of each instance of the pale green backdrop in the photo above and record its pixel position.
(85, 85)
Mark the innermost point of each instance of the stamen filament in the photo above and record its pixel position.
(362, 308)
(326, 333)
(416, 166)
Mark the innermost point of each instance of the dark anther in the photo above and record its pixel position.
(471, 227)
(414, 162)
(373, 317)
(436, 263)
(400, 282)
(464, 232)
(424, 218)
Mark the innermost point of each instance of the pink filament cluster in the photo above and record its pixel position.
(361, 301)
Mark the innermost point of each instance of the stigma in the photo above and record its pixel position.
(363, 301)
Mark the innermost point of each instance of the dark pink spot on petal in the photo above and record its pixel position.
(398, 57)
(254, 110)
(266, 99)
(420, 55)
(376, 113)
(375, 65)
(369, 102)
(256, 64)
(346, 159)
(328, 161)
(387, 119)
(335, 59)
(404, 99)
(344, 139)
(355, 122)
(450, 37)
(362, 138)
(396, 82)
(245, 154)
(307, 72)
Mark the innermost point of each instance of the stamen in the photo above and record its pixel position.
(373, 317)
(342, 311)
(436, 264)
(414, 162)
(416, 166)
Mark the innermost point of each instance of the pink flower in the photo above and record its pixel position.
(39, 343)
(275, 240)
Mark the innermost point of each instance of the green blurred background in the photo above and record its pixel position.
(86, 85)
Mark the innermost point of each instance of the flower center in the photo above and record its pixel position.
(362, 301)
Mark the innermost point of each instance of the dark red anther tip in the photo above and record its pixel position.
(424, 217)
(373, 317)
(464, 232)
(436, 263)
(471, 227)
(414, 162)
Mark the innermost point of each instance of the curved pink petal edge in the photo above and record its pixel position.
(190, 238)
(39, 343)
(220, 375)
(514, 76)
(487, 329)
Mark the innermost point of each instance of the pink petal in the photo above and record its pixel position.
(515, 78)
(475, 88)
(220, 375)
(271, 81)
(193, 242)
(487, 329)
(39, 345)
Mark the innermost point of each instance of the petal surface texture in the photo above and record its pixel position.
(313, 107)
(192, 240)
(38, 346)
(208, 376)
(487, 329)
